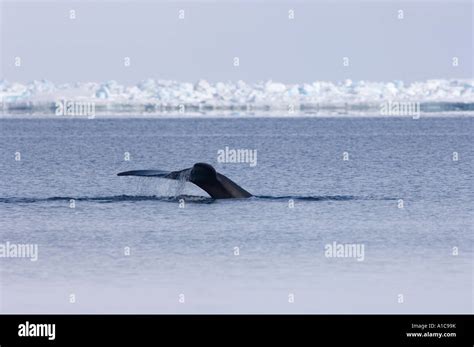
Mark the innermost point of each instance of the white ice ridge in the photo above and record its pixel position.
(155, 96)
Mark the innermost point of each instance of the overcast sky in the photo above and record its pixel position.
(269, 45)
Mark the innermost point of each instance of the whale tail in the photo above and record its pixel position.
(203, 175)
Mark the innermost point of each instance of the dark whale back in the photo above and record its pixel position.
(204, 176)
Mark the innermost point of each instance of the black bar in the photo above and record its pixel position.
(324, 330)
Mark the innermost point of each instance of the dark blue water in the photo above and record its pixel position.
(182, 241)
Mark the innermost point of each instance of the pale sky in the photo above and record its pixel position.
(92, 47)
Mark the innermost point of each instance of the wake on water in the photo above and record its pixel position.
(187, 198)
(173, 192)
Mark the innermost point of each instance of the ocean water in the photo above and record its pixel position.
(405, 194)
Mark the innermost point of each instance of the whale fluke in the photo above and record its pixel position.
(145, 173)
(203, 175)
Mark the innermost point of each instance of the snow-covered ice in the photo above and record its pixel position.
(155, 97)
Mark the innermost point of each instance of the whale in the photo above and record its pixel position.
(202, 175)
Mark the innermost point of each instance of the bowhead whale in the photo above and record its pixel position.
(203, 175)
